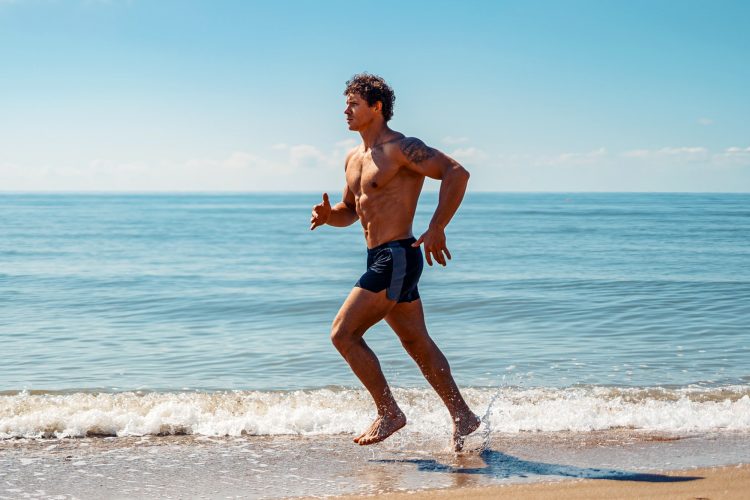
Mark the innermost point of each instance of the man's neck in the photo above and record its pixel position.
(374, 135)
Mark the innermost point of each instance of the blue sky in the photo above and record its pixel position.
(246, 96)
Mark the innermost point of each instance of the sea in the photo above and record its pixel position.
(140, 316)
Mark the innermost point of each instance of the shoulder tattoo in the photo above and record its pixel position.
(416, 150)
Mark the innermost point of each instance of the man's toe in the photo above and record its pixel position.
(368, 439)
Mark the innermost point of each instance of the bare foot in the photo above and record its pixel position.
(381, 428)
(372, 428)
(462, 427)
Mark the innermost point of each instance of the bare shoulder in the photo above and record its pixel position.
(416, 151)
(350, 154)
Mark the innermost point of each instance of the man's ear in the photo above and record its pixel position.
(378, 106)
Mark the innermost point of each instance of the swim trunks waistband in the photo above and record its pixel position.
(406, 242)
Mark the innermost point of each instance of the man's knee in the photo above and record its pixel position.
(413, 347)
(414, 337)
(418, 346)
(343, 337)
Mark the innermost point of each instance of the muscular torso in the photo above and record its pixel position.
(385, 192)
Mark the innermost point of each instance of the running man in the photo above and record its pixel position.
(384, 177)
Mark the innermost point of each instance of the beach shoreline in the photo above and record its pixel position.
(265, 467)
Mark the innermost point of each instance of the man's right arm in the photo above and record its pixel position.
(344, 213)
(340, 215)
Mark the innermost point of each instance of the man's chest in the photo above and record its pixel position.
(366, 174)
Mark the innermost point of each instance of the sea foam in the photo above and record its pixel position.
(339, 410)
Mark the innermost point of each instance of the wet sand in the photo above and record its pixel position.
(729, 482)
(316, 466)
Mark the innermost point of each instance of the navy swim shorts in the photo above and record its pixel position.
(394, 267)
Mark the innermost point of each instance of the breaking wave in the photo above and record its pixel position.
(339, 410)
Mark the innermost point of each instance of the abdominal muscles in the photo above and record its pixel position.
(387, 216)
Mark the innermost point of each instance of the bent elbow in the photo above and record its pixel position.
(462, 172)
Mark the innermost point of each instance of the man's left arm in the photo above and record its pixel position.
(453, 178)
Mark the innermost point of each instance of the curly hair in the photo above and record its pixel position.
(373, 89)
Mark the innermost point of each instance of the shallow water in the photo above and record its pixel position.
(286, 466)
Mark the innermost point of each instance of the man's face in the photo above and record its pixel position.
(358, 113)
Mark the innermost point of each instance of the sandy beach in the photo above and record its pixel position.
(729, 482)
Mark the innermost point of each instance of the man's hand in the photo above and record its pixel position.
(434, 245)
(320, 213)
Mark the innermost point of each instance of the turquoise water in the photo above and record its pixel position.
(204, 292)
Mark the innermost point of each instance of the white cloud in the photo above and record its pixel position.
(450, 140)
(304, 167)
(468, 155)
(306, 156)
(287, 167)
(705, 121)
(733, 156)
(671, 154)
(637, 153)
(240, 160)
(593, 157)
(737, 151)
(580, 158)
(240, 170)
(684, 151)
(691, 155)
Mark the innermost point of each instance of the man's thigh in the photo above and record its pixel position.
(407, 320)
(361, 309)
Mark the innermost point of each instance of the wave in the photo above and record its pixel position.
(340, 410)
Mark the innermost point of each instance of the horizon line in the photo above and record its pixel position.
(228, 192)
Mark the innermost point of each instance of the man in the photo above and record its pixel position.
(384, 177)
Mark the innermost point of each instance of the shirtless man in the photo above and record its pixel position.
(384, 177)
